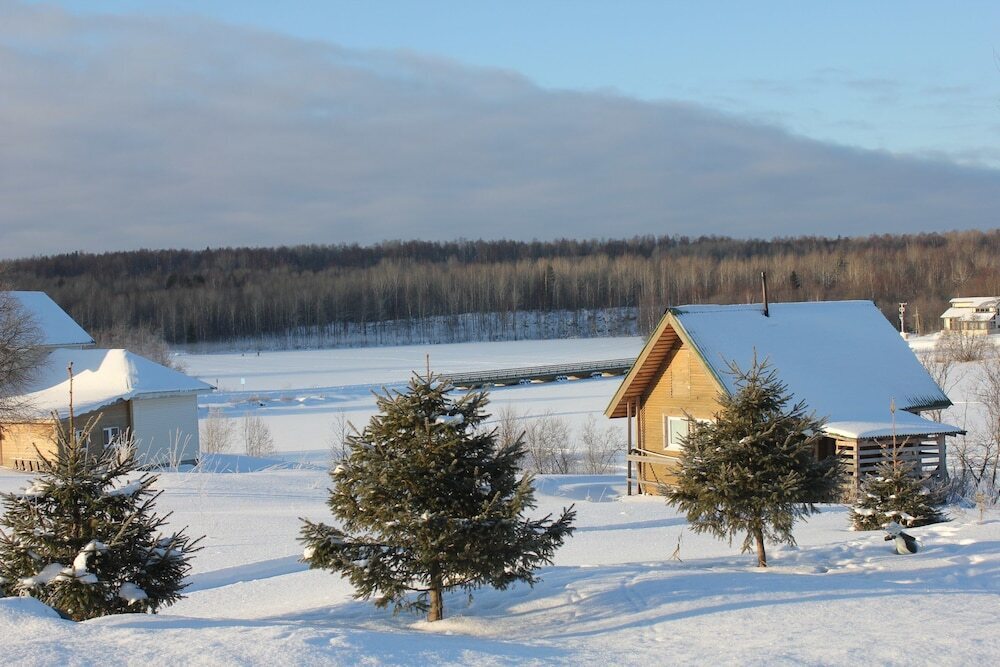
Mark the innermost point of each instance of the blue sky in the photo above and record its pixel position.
(192, 124)
(913, 77)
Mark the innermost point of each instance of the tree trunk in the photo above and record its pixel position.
(758, 535)
(436, 612)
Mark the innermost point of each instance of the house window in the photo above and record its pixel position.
(112, 436)
(675, 429)
(83, 437)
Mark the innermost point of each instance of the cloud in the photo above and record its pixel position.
(126, 132)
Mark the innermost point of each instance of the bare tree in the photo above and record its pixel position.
(340, 429)
(257, 439)
(961, 347)
(217, 432)
(601, 446)
(986, 465)
(942, 364)
(508, 426)
(19, 353)
(546, 440)
(141, 339)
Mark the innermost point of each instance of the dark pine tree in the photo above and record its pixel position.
(894, 493)
(753, 470)
(429, 501)
(84, 540)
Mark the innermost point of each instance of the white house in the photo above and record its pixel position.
(976, 315)
(123, 396)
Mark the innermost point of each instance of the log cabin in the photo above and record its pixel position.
(843, 358)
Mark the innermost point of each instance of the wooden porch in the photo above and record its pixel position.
(647, 471)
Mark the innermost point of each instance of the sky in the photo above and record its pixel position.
(192, 124)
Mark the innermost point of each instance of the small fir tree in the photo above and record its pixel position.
(428, 501)
(84, 540)
(894, 493)
(753, 470)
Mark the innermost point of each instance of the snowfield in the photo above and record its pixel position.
(633, 585)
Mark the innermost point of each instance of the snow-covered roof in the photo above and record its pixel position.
(955, 312)
(975, 301)
(906, 423)
(842, 358)
(967, 315)
(57, 328)
(100, 378)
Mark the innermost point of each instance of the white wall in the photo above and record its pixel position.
(166, 429)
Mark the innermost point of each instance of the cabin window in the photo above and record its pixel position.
(83, 437)
(112, 436)
(675, 429)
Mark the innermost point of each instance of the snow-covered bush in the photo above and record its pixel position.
(83, 538)
(427, 501)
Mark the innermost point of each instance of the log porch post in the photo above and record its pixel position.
(942, 458)
(628, 450)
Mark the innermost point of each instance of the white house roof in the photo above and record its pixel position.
(975, 301)
(100, 378)
(842, 357)
(57, 328)
(967, 315)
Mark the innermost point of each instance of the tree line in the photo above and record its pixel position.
(231, 294)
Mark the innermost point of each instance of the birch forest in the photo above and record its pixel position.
(226, 295)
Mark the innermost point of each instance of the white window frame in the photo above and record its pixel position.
(82, 436)
(115, 433)
(668, 444)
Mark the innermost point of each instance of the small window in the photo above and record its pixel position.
(83, 437)
(112, 436)
(675, 429)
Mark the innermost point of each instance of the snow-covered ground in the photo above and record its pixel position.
(300, 394)
(614, 596)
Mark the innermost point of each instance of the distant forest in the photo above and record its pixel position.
(234, 294)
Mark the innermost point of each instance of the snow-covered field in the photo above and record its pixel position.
(614, 595)
(300, 394)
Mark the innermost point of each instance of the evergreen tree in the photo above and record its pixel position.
(754, 470)
(429, 501)
(84, 540)
(894, 493)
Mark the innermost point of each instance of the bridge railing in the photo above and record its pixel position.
(545, 372)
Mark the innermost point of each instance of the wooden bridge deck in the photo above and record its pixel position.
(548, 373)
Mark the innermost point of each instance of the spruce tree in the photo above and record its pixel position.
(83, 538)
(429, 501)
(894, 493)
(753, 470)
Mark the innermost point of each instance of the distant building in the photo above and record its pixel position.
(975, 315)
(842, 358)
(56, 327)
(126, 398)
